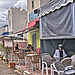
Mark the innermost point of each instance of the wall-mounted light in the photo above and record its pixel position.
(37, 11)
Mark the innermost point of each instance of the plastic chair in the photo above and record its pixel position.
(57, 67)
(60, 69)
(73, 60)
(47, 60)
(70, 53)
(66, 61)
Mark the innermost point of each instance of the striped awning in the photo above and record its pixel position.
(52, 6)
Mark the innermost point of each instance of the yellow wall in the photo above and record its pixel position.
(29, 38)
(37, 38)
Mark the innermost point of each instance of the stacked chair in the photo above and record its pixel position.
(47, 60)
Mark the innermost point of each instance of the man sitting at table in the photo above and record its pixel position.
(29, 47)
(16, 47)
(60, 53)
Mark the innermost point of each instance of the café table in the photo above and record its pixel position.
(28, 57)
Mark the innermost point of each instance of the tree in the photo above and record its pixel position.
(7, 50)
(1, 48)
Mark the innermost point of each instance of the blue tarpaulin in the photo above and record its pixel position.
(5, 33)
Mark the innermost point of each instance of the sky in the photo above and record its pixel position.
(5, 5)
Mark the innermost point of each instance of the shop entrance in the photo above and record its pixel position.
(34, 41)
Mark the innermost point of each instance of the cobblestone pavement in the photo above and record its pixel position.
(4, 70)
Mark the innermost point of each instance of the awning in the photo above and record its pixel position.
(5, 33)
(53, 5)
(36, 26)
(59, 24)
(14, 37)
(31, 25)
(4, 26)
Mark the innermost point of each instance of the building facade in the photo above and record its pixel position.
(4, 30)
(33, 23)
(5, 41)
(17, 19)
(31, 6)
(43, 2)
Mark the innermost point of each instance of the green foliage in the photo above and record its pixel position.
(7, 49)
(1, 46)
(1, 56)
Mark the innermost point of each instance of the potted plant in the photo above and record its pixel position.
(11, 64)
(1, 57)
(7, 50)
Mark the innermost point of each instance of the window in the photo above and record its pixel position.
(32, 4)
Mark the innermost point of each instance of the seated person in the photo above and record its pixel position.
(29, 47)
(16, 47)
(60, 53)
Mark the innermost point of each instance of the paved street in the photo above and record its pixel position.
(4, 70)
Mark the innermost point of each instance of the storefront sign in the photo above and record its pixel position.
(8, 43)
(32, 16)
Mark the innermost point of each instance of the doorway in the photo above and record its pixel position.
(34, 41)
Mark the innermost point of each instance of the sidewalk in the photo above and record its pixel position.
(22, 68)
(4, 70)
